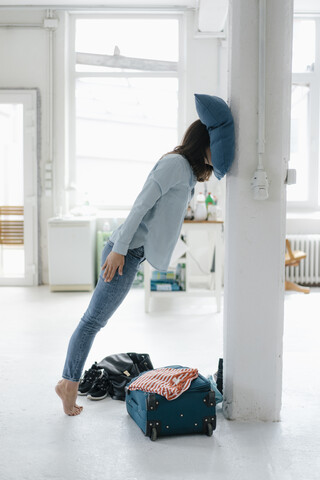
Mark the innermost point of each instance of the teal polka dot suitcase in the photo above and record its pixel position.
(194, 411)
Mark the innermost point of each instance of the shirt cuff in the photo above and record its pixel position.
(120, 247)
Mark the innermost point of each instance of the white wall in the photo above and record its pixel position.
(24, 54)
(310, 6)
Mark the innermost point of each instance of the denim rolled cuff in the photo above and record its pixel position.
(120, 247)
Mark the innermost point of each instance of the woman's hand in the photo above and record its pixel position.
(113, 261)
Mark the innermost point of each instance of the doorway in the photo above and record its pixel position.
(18, 187)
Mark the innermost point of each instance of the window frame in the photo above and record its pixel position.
(73, 75)
(312, 80)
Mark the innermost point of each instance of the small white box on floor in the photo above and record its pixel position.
(71, 251)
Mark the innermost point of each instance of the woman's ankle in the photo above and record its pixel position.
(70, 384)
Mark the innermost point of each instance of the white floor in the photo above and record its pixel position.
(37, 441)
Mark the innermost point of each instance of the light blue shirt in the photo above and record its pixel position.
(157, 215)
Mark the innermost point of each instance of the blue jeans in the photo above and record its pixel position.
(106, 298)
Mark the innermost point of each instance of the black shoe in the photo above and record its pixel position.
(89, 378)
(100, 388)
(220, 376)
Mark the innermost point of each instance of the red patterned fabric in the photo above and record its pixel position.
(168, 382)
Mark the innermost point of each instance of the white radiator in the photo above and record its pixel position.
(308, 271)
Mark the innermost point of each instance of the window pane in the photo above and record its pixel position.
(11, 154)
(123, 126)
(304, 43)
(299, 150)
(138, 38)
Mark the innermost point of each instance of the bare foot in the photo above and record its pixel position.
(67, 391)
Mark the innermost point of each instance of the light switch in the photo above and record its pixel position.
(291, 178)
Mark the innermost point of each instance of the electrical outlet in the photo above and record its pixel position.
(260, 184)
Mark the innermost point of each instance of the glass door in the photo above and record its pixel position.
(18, 188)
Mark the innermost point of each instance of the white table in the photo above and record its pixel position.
(213, 229)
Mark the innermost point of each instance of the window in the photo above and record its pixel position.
(126, 111)
(299, 149)
(304, 151)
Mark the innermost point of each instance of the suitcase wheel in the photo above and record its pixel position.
(209, 430)
(153, 434)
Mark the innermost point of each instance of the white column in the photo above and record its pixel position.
(255, 230)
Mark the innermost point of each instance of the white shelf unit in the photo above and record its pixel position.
(214, 231)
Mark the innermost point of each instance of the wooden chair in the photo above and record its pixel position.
(292, 259)
(11, 231)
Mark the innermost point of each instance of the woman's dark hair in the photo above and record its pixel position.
(193, 147)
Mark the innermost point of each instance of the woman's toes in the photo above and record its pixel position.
(75, 411)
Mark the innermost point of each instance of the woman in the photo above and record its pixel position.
(150, 231)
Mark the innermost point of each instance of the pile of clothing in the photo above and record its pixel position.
(112, 374)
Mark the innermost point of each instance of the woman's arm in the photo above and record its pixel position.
(146, 199)
(166, 173)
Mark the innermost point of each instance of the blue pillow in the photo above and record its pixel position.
(215, 114)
